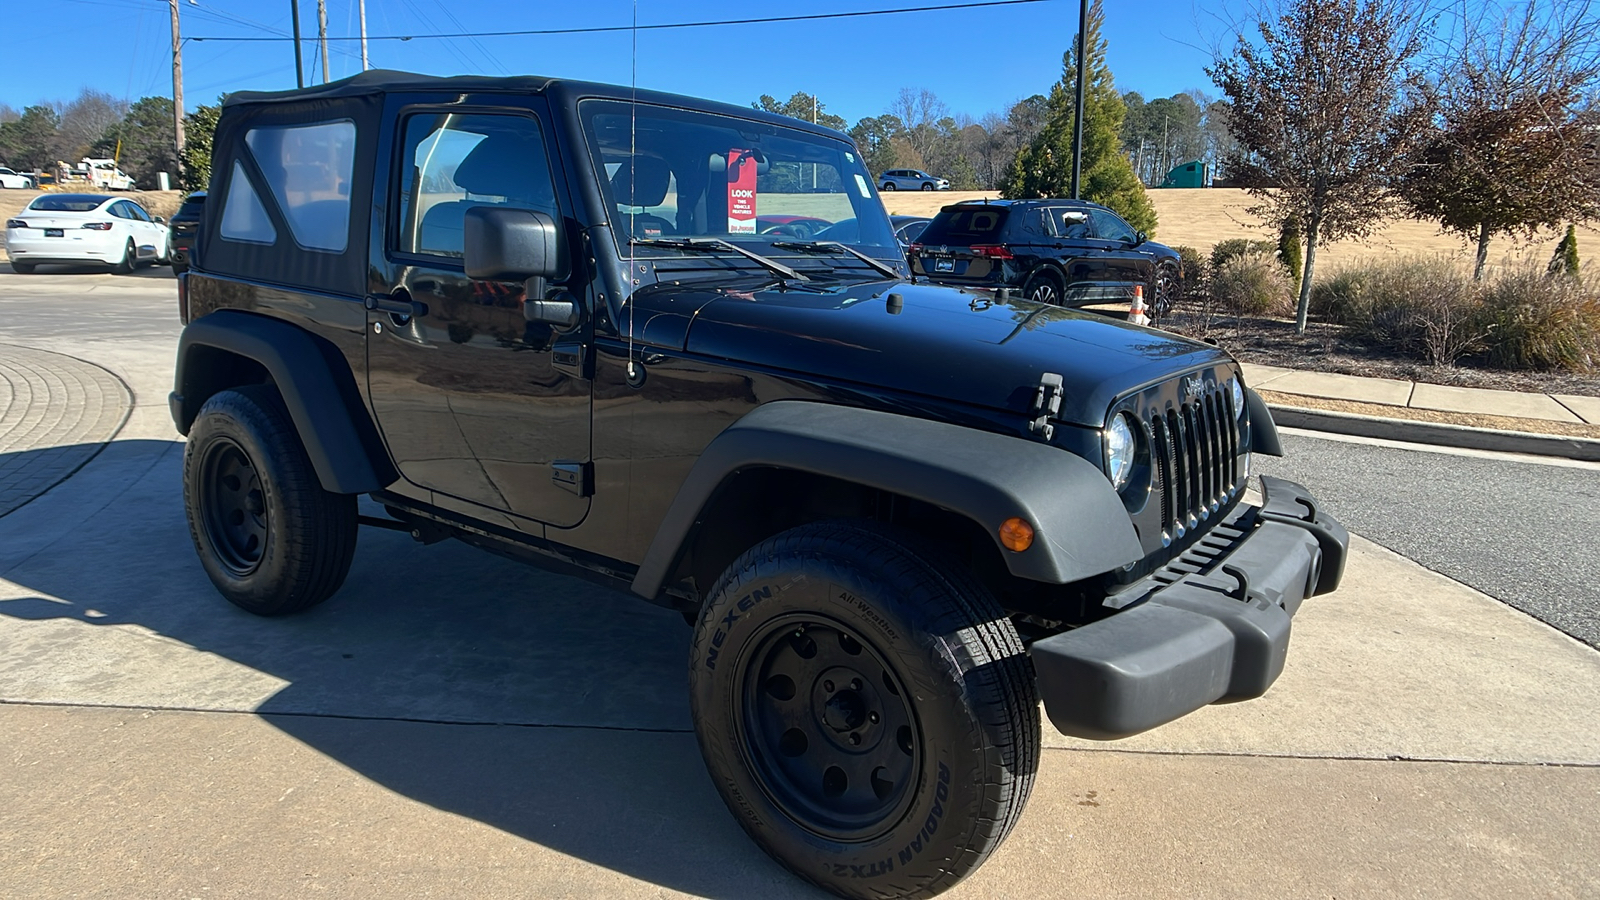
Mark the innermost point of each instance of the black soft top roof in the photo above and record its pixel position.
(383, 81)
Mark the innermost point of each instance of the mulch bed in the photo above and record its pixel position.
(1328, 348)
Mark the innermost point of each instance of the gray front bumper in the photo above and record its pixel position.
(1214, 623)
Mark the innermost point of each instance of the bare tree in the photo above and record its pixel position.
(85, 121)
(1509, 150)
(8, 114)
(921, 111)
(1324, 106)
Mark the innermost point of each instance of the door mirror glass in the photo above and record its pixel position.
(504, 244)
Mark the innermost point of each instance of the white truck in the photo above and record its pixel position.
(103, 173)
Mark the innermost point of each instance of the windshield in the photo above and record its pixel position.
(674, 174)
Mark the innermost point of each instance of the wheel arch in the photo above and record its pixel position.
(827, 461)
(229, 348)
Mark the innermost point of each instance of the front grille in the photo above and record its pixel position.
(1195, 450)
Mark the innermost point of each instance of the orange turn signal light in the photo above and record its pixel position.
(1016, 534)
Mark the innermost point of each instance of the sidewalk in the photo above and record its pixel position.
(1404, 408)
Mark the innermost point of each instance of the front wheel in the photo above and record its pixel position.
(866, 710)
(926, 186)
(269, 537)
(23, 268)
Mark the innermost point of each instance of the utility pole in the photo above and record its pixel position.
(177, 92)
(1077, 111)
(322, 35)
(363, 35)
(299, 67)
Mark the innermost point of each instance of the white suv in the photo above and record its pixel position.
(15, 180)
(912, 180)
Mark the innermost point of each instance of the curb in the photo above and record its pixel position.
(1436, 433)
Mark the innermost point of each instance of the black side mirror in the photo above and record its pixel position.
(1140, 237)
(502, 244)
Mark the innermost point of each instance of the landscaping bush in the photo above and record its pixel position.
(1194, 272)
(1252, 284)
(1335, 297)
(1422, 306)
(1289, 251)
(1535, 320)
(1232, 248)
(1565, 260)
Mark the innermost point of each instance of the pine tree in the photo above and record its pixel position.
(1289, 250)
(1565, 260)
(1043, 168)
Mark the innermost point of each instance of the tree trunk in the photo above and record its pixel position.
(1303, 308)
(1483, 251)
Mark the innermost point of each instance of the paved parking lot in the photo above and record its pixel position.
(453, 724)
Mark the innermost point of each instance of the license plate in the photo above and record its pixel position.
(944, 265)
(54, 232)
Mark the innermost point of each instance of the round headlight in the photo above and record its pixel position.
(1120, 447)
(1238, 397)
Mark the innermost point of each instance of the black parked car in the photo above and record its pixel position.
(1061, 252)
(541, 317)
(183, 227)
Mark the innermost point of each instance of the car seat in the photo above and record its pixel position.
(639, 183)
(509, 166)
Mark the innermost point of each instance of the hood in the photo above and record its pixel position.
(941, 343)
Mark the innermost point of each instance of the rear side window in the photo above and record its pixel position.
(966, 225)
(243, 217)
(308, 169)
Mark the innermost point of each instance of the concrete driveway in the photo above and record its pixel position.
(452, 724)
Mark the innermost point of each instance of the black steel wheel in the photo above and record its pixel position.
(828, 727)
(1044, 286)
(865, 709)
(269, 537)
(233, 506)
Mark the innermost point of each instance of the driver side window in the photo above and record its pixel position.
(1108, 227)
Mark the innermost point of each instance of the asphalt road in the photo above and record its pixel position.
(1523, 532)
(1526, 533)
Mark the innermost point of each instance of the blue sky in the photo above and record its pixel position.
(974, 60)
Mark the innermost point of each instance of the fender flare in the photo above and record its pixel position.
(316, 385)
(1263, 431)
(1081, 527)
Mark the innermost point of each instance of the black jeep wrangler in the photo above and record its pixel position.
(538, 316)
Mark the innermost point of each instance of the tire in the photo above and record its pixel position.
(867, 711)
(270, 538)
(889, 186)
(1164, 291)
(1044, 286)
(23, 268)
(129, 259)
(927, 186)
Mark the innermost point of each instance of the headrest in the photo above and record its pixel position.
(505, 166)
(641, 183)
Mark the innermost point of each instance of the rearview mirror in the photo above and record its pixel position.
(502, 244)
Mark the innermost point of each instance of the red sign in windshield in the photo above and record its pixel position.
(741, 191)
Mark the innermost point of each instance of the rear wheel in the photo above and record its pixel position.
(129, 257)
(1164, 291)
(888, 186)
(1044, 286)
(270, 538)
(866, 710)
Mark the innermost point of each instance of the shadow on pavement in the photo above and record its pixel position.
(26, 474)
(160, 272)
(440, 672)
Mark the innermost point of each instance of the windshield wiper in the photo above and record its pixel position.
(816, 246)
(717, 244)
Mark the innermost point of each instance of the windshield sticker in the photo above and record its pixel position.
(861, 185)
(741, 191)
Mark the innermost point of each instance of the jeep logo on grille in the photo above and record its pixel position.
(1190, 389)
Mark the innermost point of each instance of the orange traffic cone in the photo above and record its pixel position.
(1136, 311)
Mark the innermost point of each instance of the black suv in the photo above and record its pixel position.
(537, 316)
(182, 228)
(1061, 252)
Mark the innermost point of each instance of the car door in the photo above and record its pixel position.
(475, 400)
(149, 236)
(1075, 251)
(1125, 265)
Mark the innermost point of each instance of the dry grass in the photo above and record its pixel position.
(1199, 217)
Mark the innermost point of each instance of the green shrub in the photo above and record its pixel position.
(1426, 307)
(1334, 298)
(1194, 271)
(1289, 251)
(1222, 251)
(1252, 284)
(1536, 321)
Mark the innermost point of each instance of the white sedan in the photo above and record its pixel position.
(71, 229)
(14, 180)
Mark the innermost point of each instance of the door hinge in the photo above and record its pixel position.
(573, 477)
(571, 358)
(1046, 403)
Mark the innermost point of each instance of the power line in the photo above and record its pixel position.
(607, 29)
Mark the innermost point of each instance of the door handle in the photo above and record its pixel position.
(395, 306)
